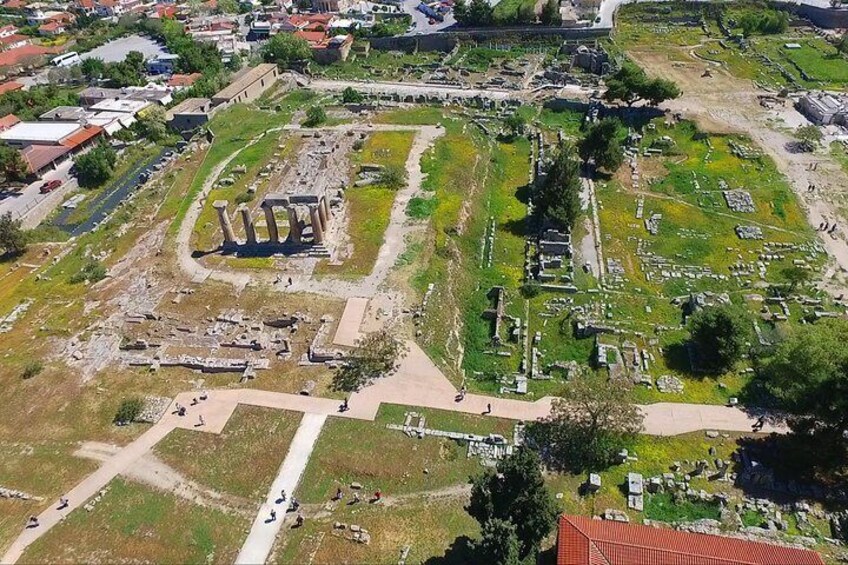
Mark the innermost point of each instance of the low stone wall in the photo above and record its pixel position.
(445, 41)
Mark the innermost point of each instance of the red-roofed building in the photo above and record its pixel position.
(327, 49)
(51, 29)
(586, 541)
(184, 81)
(8, 121)
(13, 41)
(312, 22)
(9, 86)
(26, 55)
(86, 7)
(14, 4)
(163, 11)
(42, 158)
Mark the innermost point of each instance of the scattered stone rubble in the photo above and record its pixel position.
(488, 449)
(17, 494)
(153, 410)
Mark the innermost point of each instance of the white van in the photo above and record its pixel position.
(67, 60)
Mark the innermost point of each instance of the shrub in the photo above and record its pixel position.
(420, 208)
(91, 272)
(530, 289)
(315, 115)
(32, 369)
(393, 177)
(245, 197)
(129, 410)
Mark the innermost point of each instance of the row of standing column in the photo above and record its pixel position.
(319, 216)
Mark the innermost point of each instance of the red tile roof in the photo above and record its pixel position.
(39, 156)
(184, 80)
(81, 136)
(9, 86)
(14, 38)
(51, 27)
(20, 54)
(14, 4)
(584, 541)
(8, 121)
(314, 38)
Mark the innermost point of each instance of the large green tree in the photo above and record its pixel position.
(476, 13)
(498, 543)
(95, 167)
(808, 375)
(374, 356)
(13, 240)
(515, 493)
(286, 48)
(720, 335)
(557, 198)
(589, 424)
(550, 15)
(630, 84)
(602, 143)
(12, 164)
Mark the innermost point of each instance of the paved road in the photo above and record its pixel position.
(264, 531)
(30, 201)
(105, 203)
(421, 23)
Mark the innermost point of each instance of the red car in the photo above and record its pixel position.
(50, 186)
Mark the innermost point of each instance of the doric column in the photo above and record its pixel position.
(271, 221)
(295, 233)
(317, 228)
(324, 211)
(249, 230)
(224, 220)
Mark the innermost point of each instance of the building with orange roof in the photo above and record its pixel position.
(10, 86)
(8, 121)
(183, 81)
(25, 55)
(51, 29)
(587, 541)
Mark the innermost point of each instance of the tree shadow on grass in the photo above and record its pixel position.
(517, 227)
(676, 356)
(788, 467)
(524, 193)
(459, 553)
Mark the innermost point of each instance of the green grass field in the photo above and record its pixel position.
(346, 449)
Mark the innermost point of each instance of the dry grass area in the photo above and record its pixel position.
(242, 460)
(136, 524)
(428, 526)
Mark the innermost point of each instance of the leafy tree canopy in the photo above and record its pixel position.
(720, 334)
(514, 494)
(602, 144)
(375, 356)
(589, 424)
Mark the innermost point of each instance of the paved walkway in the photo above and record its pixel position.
(418, 382)
(259, 542)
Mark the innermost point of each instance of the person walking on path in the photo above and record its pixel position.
(273, 515)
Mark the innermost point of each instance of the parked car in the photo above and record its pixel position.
(50, 186)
